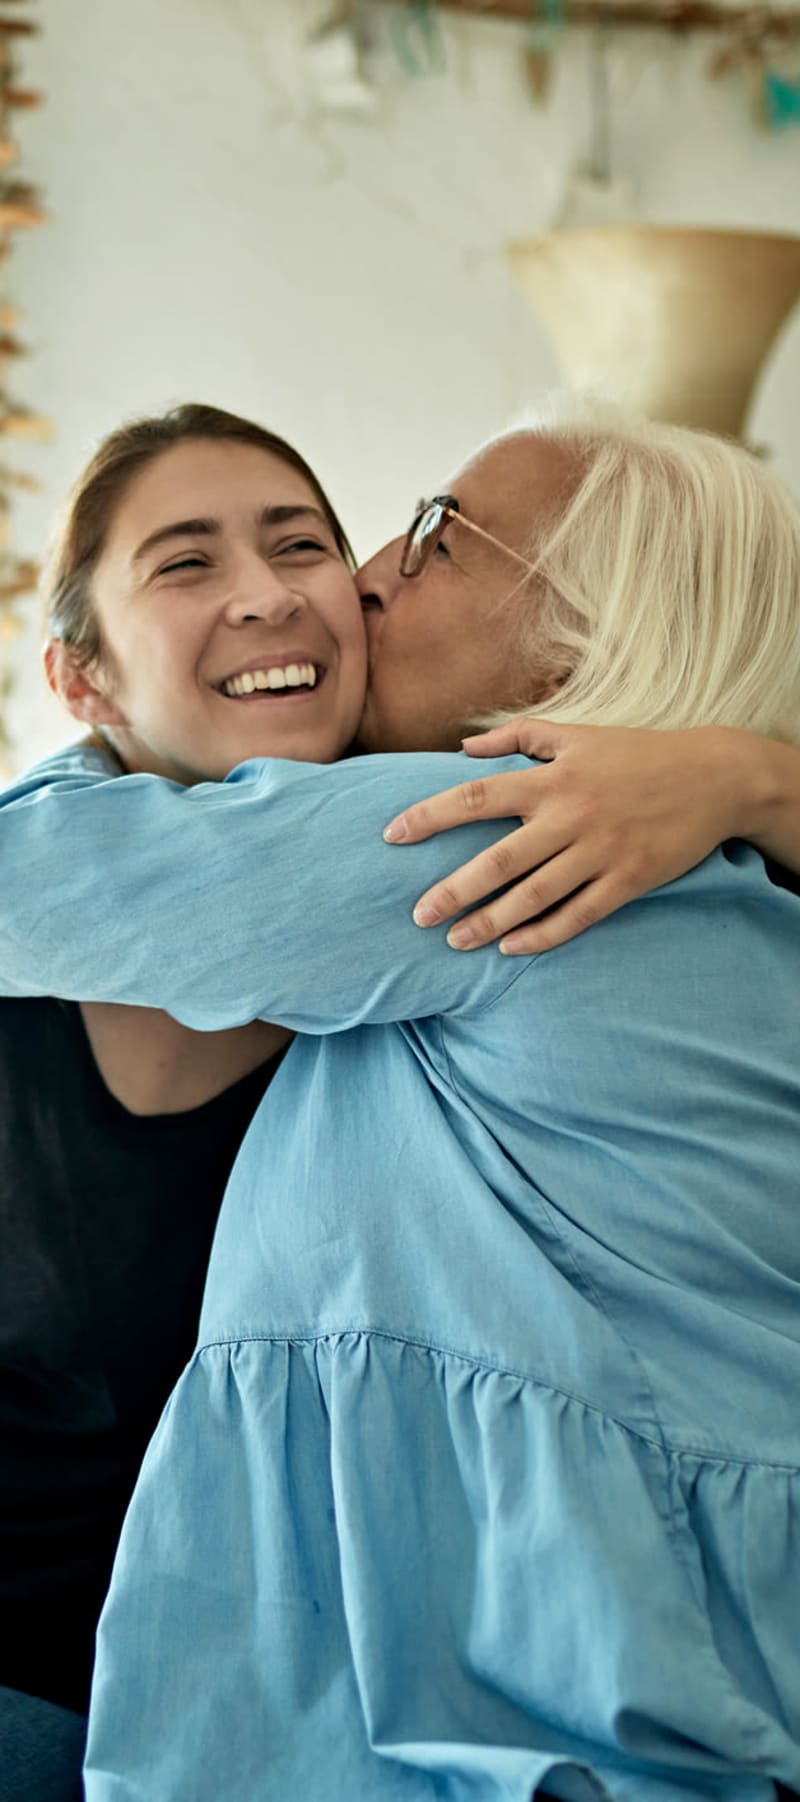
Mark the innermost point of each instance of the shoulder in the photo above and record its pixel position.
(83, 758)
(413, 774)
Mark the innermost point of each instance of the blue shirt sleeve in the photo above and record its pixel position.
(270, 895)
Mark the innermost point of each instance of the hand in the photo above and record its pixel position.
(610, 813)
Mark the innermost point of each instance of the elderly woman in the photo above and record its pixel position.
(483, 1479)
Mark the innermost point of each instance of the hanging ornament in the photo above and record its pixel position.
(18, 575)
(10, 349)
(6, 686)
(17, 422)
(743, 54)
(337, 62)
(544, 28)
(768, 65)
(781, 99)
(19, 206)
(23, 97)
(17, 478)
(593, 195)
(417, 38)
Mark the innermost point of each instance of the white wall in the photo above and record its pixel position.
(214, 235)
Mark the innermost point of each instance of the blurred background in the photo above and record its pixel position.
(302, 212)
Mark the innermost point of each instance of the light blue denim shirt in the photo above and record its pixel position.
(485, 1472)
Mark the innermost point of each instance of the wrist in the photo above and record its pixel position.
(753, 777)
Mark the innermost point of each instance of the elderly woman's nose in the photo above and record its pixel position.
(379, 580)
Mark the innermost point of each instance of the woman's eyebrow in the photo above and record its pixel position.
(278, 516)
(208, 528)
(181, 528)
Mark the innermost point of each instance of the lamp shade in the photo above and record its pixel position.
(674, 323)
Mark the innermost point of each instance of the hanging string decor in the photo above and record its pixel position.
(763, 50)
(756, 39)
(781, 99)
(673, 15)
(770, 71)
(20, 209)
(743, 54)
(417, 38)
(544, 29)
(337, 61)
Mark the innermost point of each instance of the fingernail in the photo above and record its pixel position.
(396, 829)
(460, 937)
(509, 945)
(425, 914)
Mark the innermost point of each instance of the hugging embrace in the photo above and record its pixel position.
(481, 1481)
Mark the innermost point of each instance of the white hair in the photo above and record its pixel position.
(668, 583)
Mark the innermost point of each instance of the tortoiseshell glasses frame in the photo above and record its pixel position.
(426, 531)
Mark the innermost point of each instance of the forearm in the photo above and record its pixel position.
(271, 895)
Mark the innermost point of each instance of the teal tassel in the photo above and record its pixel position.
(547, 12)
(418, 39)
(547, 17)
(781, 101)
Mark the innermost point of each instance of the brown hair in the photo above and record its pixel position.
(70, 612)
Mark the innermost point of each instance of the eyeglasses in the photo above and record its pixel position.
(427, 529)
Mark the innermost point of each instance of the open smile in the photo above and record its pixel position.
(274, 682)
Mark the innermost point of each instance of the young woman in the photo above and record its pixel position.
(118, 1129)
(396, 1344)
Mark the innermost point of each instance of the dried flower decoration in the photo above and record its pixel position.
(20, 209)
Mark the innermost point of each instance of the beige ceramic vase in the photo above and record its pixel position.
(674, 323)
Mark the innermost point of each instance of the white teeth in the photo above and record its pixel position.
(292, 675)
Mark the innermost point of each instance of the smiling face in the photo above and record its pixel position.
(230, 623)
(442, 646)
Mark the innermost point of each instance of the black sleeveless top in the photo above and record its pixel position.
(107, 1219)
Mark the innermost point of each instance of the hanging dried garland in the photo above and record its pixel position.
(760, 41)
(760, 47)
(19, 210)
